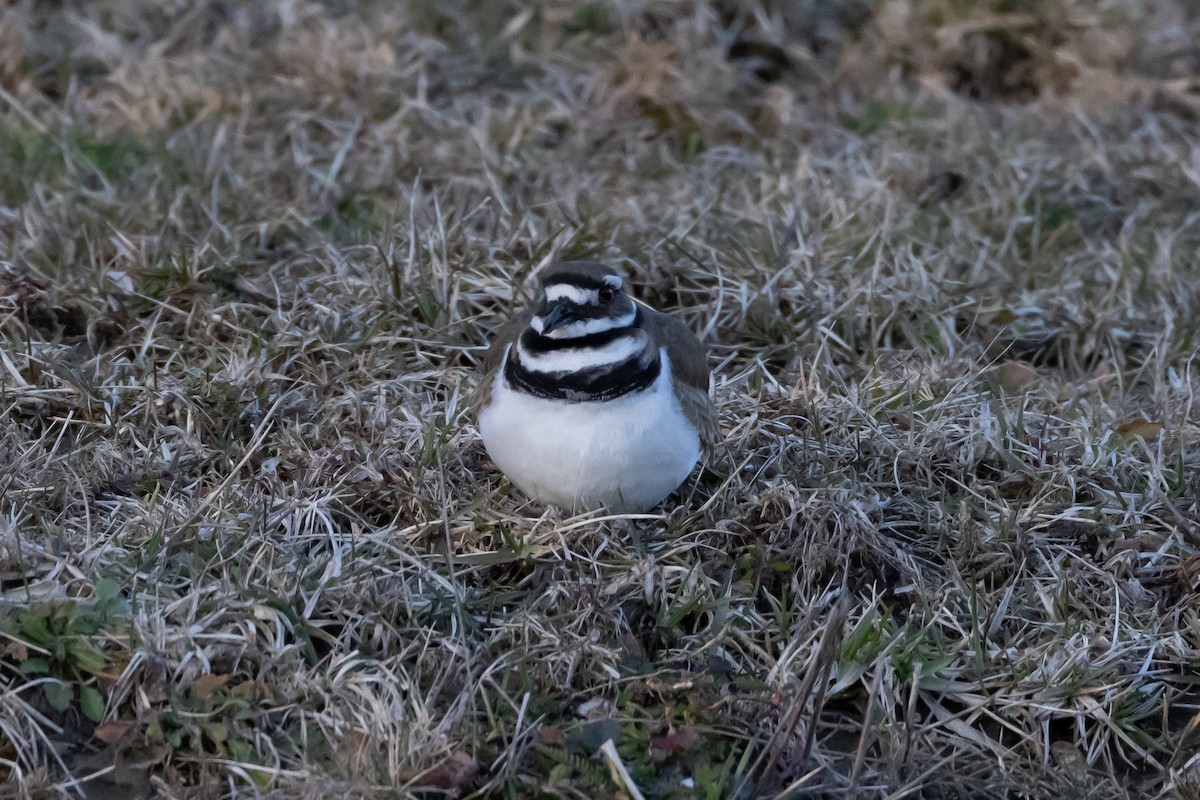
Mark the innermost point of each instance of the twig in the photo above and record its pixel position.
(617, 770)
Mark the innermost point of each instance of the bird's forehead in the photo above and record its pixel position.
(567, 291)
(583, 279)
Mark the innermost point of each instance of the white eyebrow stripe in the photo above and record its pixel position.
(565, 291)
(614, 281)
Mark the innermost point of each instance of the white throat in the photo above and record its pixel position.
(577, 359)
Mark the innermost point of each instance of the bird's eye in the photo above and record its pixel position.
(607, 294)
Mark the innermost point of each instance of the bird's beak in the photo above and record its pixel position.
(560, 314)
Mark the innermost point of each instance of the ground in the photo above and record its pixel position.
(945, 257)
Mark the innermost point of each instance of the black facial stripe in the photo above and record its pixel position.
(586, 311)
(591, 312)
(535, 343)
(598, 383)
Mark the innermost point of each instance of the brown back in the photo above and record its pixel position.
(689, 361)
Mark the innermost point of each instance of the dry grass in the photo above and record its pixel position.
(946, 257)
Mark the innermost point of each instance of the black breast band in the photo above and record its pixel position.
(598, 383)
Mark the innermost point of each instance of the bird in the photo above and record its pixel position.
(591, 399)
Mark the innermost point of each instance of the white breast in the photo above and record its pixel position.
(625, 454)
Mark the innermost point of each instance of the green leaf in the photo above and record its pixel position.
(91, 702)
(35, 628)
(106, 590)
(239, 750)
(84, 655)
(83, 623)
(35, 665)
(217, 731)
(59, 694)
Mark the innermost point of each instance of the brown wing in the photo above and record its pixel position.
(505, 335)
(699, 409)
(689, 367)
(689, 362)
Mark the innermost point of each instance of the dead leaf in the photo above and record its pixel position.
(674, 743)
(1014, 376)
(1189, 573)
(204, 686)
(1070, 760)
(452, 774)
(113, 731)
(153, 687)
(1138, 544)
(1143, 428)
(551, 736)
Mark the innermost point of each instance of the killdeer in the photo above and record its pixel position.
(592, 398)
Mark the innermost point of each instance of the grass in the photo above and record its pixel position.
(944, 258)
